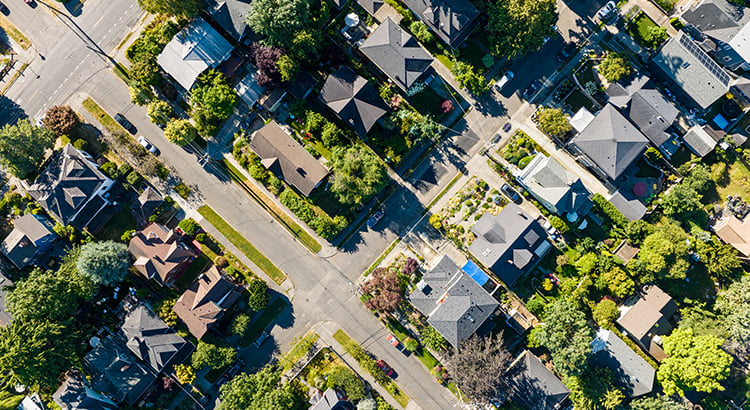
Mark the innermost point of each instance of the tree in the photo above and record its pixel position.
(259, 391)
(553, 122)
(343, 378)
(605, 313)
(160, 112)
(720, 259)
(613, 67)
(185, 373)
(215, 357)
(177, 8)
(655, 403)
(144, 70)
(467, 78)
(80, 285)
(22, 147)
(734, 305)
(594, 389)
(566, 335)
(278, 21)
(306, 46)
(42, 296)
(266, 59)
(331, 136)
(699, 179)
(105, 263)
(518, 26)
(239, 325)
(357, 174)
(637, 231)
(617, 281)
(433, 339)
(189, 226)
(180, 131)
(664, 253)
(693, 362)
(258, 294)
(212, 100)
(479, 368)
(681, 201)
(655, 35)
(421, 32)
(287, 68)
(385, 289)
(60, 119)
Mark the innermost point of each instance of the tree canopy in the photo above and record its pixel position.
(721, 259)
(260, 391)
(180, 131)
(42, 296)
(105, 263)
(479, 368)
(385, 290)
(594, 389)
(212, 100)
(22, 147)
(681, 201)
(178, 8)
(278, 21)
(613, 67)
(60, 119)
(215, 357)
(566, 335)
(664, 253)
(467, 78)
(357, 174)
(518, 26)
(160, 112)
(734, 305)
(553, 122)
(343, 378)
(693, 362)
(258, 292)
(605, 312)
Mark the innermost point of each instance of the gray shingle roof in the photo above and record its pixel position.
(692, 70)
(353, 99)
(699, 141)
(630, 206)
(455, 305)
(450, 19)
(371, 6)
(116, 371)
(230, 14)
(632, 373)
(533, 385)
(611, 141)
(150, 339)
(507, 242)
(74, 393)
(29, 233)
(716, 18)
(548, 180)
(396, 53)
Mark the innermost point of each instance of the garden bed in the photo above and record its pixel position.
(520, 150)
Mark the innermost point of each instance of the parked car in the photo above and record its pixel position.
(148, 145)
(4, 9)
(382, 365)
(606, 11)
(375, 218)
(566, 52)
(262, 338)
(511, 193)
(507, 127)
(502, 82)
(394, 342)
(532, 89)
(125, 123)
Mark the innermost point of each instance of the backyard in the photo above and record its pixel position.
(638, 28)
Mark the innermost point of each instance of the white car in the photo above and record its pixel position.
(606, 10)
(504, 80)
(147, 144)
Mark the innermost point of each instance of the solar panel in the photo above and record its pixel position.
(704, 59)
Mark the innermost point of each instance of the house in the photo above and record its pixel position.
(73, 190)
(509, 243)
(534, 385)
(287, 159)
(699, 141)
(116, 373)
(454, 303)
(581, 119)
(248, 89)
(628, 204)
(353, 99)
(160, 253)
(371, 6)
(331, 399)
(609, 144)
(720, 29)
(31, 236)
(205, 301)
(632, 373)
(75, 393)
(733, 231)
(397, 54)
(698, 79)
(148, 202)
(5, 317)
(151, 340)
(556, 188)
(645, 106)
(32, 402)
(230, 15)
(646, 319)
(451, 20)
(196, 48)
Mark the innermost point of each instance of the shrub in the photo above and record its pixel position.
(421, 32)
(488, 61)
(411, 344)
(189, 226)
(201, 237)
(123, 170)
(221, 262)
(134, 179)
(109, 169)
(343, 378)
(80, 144)
(559, 224)
(535, 305)
(614, 67)
(606, 208)
(605, 313)
(182, 190)
(676, 23)
(258, 294)
(240, 324)
(127, 235)
(61, 119)
(184, 373)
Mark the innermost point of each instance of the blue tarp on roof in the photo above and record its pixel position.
(476, 273)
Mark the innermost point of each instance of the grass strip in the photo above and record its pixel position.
(382, 256)
(243, 244)
(108, 122)
(287, 221)
(14, 78)
(261, 323)
(14, 33)
(298, 351)
(124, 40)
(365, 360)
(121, 72)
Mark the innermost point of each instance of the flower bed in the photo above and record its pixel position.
(521, 149)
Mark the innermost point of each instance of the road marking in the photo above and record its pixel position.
(97, 22)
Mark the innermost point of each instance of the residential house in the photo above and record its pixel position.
(74, 191)
(609, 144)
(31, 236)
(581, 119)
(159, 253)
(248, 89)
(451, 20)
(331, 399)
(733, 231)
(646, 319)
(353, 99)
(148, 201)
(287, 159)
(699, 141)
(196, 48)
(302, 85)
(230, 15)
(556, 188)
(116, 373)
(205, 301)
(76, 393)
(454, 303)
(632, 373)
(5, 317)
(534, 385)
(372, 6)
(32, 402)
(628, 204)
(697, 79)
(720, 28)
(509, 243)
(152, 340)
(397, 54)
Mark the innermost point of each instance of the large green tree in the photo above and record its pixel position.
(22, 147)
(566, 335)
(179, 8)
(655, 403)
(258, 297)
(212, 100)
(357, 174)
(180, 131)
(42, 296)
(105, 263)
(215, 357)
(693, 362)
(259, 391)
(479, 368)
(720, 259)
(518, 26)
(594, 389)
(734, 305)
(664, 253)
(278, 21)
(160, 112)
(681, 201)
(613, 67)
(343, 378)
(553, 121)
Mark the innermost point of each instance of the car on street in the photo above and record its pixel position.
(566, 52)
(394, 342)
(148, 145)
(511, 193)
(262, 338)
(606, 11)
(532, 89)
(125, 123)
(382, 365)
(502, 82)
(375, 218)
(507, 127)
(4, 9)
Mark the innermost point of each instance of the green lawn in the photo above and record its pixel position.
(243, 244)
(261, 323)
(298, 351)
(638, 29)
(193, 270)
(14, 33)
(739, 181)
(108, 122)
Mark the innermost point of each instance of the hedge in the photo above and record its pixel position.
(606, 208)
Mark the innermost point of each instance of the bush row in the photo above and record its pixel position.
(606, 208)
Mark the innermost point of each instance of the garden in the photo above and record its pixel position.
(520, 150)
(645, 31)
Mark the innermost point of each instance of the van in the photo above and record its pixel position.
(504, 80)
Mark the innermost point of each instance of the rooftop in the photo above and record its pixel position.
(151, 340)
(116, 372)
(159, 252)
(451, 20)
(205, 301)
(648, 316)
(632, 373)
(353, 99)
(534, 385)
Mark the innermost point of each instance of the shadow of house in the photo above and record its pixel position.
(31, 236)
(152, 340)
(353, 99)
(451, 20)
(76, 393)
(647, 318)
(535, 386)
(632, 373)
(160, 253)
(205, 301)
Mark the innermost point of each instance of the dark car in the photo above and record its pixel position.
(511, 193)
(566, 52)
(532, 89)
(382, 365)
(375, 218)
(507, 127)
(4, 9)
(125, 123)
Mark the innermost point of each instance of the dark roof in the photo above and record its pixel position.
(455, 305)
(116, 372)
(699, 141)
(534, 385)
(150, 339)
(371, 6)
(332, 399)
(632, 372)
(717, 19)
(451, 20)
(67, 184)
(230, 15)
(396, 53)
(649, 316)
(611, 141)
(205, 301)
(29, 233)
(547, 179)
(630, 206)
(74, 393)
(303, 83)
(5, 317)
(286, 158)
(353, 99)
(508, 242)
(149, 200)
